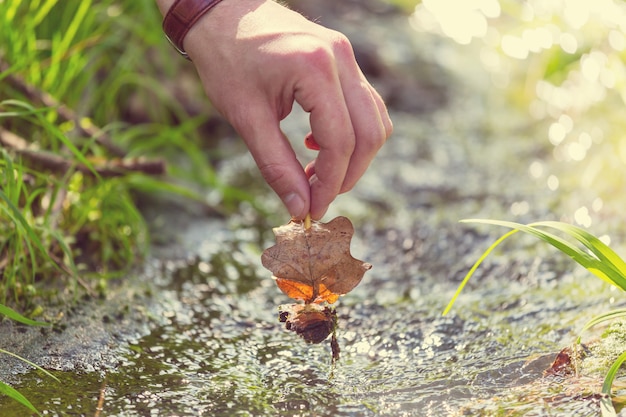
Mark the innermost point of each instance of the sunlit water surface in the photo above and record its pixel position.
(215, 346)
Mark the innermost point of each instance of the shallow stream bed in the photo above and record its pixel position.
(196, 331)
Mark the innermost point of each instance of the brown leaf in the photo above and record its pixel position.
(315, 264)
(565, 361)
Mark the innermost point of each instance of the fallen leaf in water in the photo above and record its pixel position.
(565, 361)
(562, 364)
(311, 261)
(314, 264)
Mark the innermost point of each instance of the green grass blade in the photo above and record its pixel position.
(65, 249)
(594, 264)
(14, 315)
(473, 269)
(590, 241)
(558, 242)
(606, 402)
(28, 109)
(55, 132)
(42, 12)
(604, 253)
(21, 224)
(604, 263)
(606, 407)
(610, 376)
(15, 394)
(34, 365)
(19, 219)
(610, 315)
(151, 185)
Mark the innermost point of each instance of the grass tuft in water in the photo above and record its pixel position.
(594, 255)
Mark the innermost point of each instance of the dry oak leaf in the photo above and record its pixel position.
(315, 264)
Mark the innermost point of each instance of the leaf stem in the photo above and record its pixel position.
(307, 221)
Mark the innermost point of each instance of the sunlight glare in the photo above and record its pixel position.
(461, 20)
(622, 150)
(582, 217)
(597, 204)
(576, 12)
(591, 65)
(520, 208)
(553, 183)
(362, 347)
(568, 43)
(527, 14)
(514, 47)
(617, 40)
(606, 239)
(576, 151)
(585, 140)
(537, 39)
(567, 122)
(536, 169)
(556, 133)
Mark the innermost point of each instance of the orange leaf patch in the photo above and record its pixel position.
(315, 264)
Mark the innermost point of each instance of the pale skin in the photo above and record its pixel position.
(255, 58)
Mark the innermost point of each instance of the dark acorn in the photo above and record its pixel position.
(312, 322)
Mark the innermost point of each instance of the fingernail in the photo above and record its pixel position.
(294, 204)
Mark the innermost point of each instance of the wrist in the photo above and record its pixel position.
(181, 17)
(222, 27)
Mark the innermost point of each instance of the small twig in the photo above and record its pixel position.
(71, 273)
(11, 140)
(64, 112)
(59, 164)
(100, 406)
(307, 221)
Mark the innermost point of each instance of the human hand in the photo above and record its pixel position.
(255, 58)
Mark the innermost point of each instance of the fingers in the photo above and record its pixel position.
(349, 124)
(368, 114)
(277, 162)
(252, 73)
(371, 133)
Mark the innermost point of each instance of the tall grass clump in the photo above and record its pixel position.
(93, 104)
(29, 246)
(93, 108)
(589, 252)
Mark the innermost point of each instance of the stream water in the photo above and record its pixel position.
(212, 345)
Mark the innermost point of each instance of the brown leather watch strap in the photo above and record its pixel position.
(181, 17)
